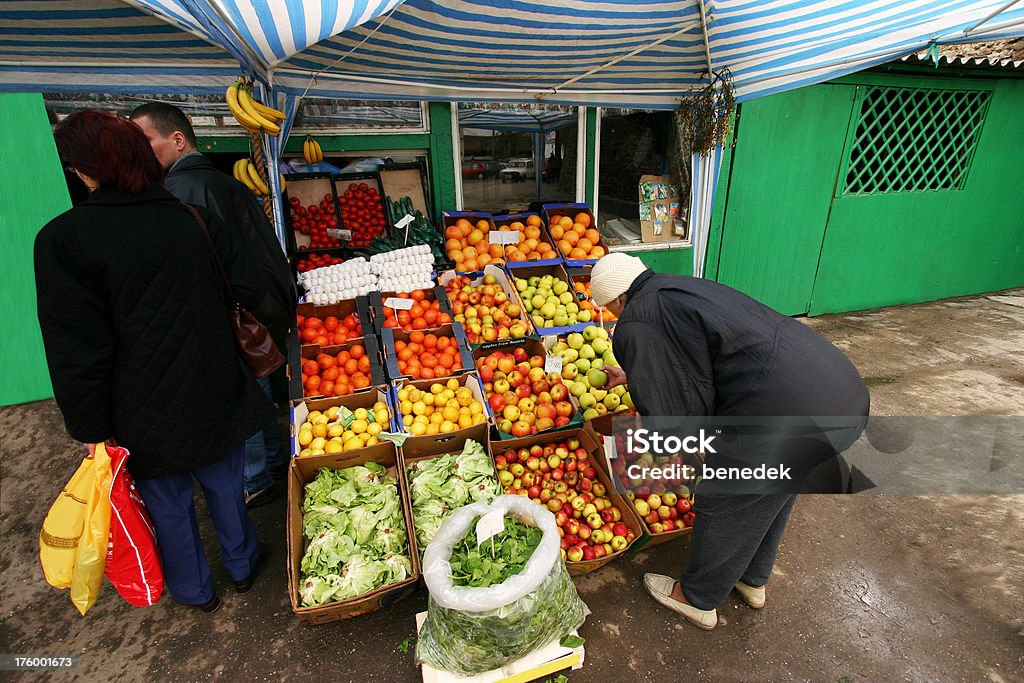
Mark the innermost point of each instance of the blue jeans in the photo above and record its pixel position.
(261, 449)
(170, 505)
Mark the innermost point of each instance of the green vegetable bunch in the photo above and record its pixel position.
(446, 483)
(496, 559)
(355, 533)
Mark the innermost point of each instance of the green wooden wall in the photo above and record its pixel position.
(32, 191)
(672, 261)
(778, 234)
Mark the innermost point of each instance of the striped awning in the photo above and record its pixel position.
(639, 53)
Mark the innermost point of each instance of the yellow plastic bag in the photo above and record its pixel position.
(73, 541)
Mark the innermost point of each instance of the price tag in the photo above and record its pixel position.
(399, 304)
(611, 452)
(339, 234)
(404, 221)
(490, 525)
(504, 237)
(397, 439)
(553, 364)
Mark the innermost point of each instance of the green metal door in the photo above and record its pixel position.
(928, 204)
(781, 180)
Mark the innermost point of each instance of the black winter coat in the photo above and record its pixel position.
(693, 347)
(136, 334)
(195, 180)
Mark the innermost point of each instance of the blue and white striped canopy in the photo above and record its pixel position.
(639, 53)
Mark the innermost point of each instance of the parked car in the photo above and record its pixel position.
(517, 170)
(471, 168)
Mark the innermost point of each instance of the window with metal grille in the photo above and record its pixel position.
(914, 139)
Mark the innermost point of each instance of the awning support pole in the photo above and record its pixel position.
(707, 43)
(991, 16)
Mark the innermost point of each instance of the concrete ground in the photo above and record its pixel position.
(866, 588)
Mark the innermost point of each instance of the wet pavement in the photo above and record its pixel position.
(868, 587)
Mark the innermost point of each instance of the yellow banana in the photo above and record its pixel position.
(247, 122)
(275, 115)
(283, 183)
(245, 99)
(318, 150)
(307, 151)
(242, 175)
(261, 186)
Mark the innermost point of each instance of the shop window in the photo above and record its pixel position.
(913, 139)
(321, 115)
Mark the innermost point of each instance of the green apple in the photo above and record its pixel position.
(587, 401)
(597, 378)
(538, 321)
(584, 316)
(590, 414)
(561, 320)
(597, 364)
(569, 371)
(599, 345)
(559, 347)
(583, 365)
(578, 388)
(591, 333)
(575, 340)
(609, 358)
(618, 390)
(548, 310)
(598, 394)
(566, 297)
(559, 287)
(601, 409)
(521, 285)
(572, 308)
(538, 301)
(570, 355)
(627, 400)
(611, 401)
(587, 351)
(534, 281)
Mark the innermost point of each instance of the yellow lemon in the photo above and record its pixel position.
(364, 437)
(415, 394)
(479, 419)
(379, 406)
(319, 429)
(334, 447)
(406, 407)
(403, 395)
(453, 383)
(361, 413)
(421, 419)
(475, 408)
(372, 441)
(465, 421)
(374, 429)
(448, 426)
(407, 420)
(318, 443)
(320, 419)
(353, 444)
(382, 415)
(418, 429)
(419, 408)
(359, 426)
(433, 429)
(304, 453)
(313, 415)
(436, 419)
(436, 388)
(451, 414)
(305, 436)
(332, 413)
(336, 429)
(317, 451)
(428, 399)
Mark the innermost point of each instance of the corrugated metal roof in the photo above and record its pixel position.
(947, 60)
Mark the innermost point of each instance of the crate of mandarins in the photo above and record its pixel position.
(420, 309)
(342, 369)
(467, 243)
(414, 355)
(574, 231)
(534, 245)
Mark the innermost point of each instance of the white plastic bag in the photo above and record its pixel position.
(471, 630)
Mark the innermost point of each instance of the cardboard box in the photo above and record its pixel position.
(540, 664)
(506, 285)
(531, 270)
(552, 211)
(301, 410)
(469, 379)
(369, 343)
(533, 347)
(309, 188)
(502, 223)
(301, 472)
(377, 299)
(453, 330)
(592, 443)
(663, 215)
(341, 310)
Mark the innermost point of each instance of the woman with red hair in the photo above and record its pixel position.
(140, 351)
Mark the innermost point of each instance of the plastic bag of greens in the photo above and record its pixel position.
(470, 630)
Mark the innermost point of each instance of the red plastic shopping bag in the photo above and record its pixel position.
(133, 558)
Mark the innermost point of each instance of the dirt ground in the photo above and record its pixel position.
(866, 588)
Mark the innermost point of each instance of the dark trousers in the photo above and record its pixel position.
(170, 504)
(734, 538)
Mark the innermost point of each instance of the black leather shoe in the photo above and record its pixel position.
(211, 606)
(246, 584)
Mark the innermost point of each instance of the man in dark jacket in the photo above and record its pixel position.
(193, 179)
(691, 347)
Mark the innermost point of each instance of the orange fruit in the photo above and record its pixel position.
(475, 236)
(470, 265)
(482, 260)
(565, 222)
(597, 252)
(530, 244)
(585, 244)
(593, 235)
(532, 232)
(453, 232)
(564, 247)
(494, 250)
(572, 237)
(457, 256)
(556, 232)
(579, 228)
(577, 254)
(516, 225)
(533, 220)
(452, 244)
(583, 219)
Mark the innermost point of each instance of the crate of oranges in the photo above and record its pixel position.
(574, 231)
(443, 352)
(342, 369)
(332, 425)
(334, 323)
(534, 245)
(420, 309)
(448, 406)
(466, 241)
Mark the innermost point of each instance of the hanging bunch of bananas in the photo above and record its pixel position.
(252, 115)
(245, 172)
(311, 150)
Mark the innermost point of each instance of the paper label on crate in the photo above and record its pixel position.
(339, 234)
(399, 304)
(345, 416)
(553, 364)
(397, 439)
(404, 221)
(504, 237)
(490, 525)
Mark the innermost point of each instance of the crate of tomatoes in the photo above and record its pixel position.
(342, 369)
(420, 309)
(333, 324)
(312, 212)
(361, 205)
(443, 352)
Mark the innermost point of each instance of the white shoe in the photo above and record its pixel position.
(660, 587)
(752, 595)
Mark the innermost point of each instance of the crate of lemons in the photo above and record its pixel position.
(339, 429)
(428, 408)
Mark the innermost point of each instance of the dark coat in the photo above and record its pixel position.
(271, 298)
(693, 347)
(136, 334)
